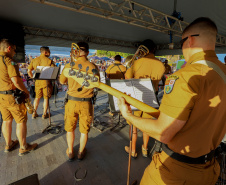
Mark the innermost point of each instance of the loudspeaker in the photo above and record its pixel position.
(15, 33)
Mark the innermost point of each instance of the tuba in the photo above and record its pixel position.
(141, 52)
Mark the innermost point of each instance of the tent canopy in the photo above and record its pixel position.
(117, 25)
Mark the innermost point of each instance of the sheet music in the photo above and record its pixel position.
(140, 89)
(61, 68)
(123, 86)
(46, 72)
(144, 92)
(39, 69)
(102, 77)
(55, 73)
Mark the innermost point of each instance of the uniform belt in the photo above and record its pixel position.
(7, 92)
(182, 158)
(78, 99)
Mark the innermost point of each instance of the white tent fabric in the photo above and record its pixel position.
(39, 15)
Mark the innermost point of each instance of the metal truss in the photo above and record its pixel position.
(129, 12)
(221, 40)
(124, 11)
(73, 37)
(166, 46)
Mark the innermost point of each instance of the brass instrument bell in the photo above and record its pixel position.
(75, 52)
(141, 52)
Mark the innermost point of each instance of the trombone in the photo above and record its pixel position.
(141, 52)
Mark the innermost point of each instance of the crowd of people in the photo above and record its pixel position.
(191, 121)
(102, 65)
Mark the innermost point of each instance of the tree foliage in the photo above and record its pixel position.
(181, 56)
(103, 53)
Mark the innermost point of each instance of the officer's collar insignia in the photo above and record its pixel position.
(13, 63)
(170, 83)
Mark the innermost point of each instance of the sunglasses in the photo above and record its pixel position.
(184, 39)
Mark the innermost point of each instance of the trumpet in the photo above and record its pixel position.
(141, 52)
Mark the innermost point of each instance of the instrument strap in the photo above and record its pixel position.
(3, 59)
(119, 69)
(213, 66)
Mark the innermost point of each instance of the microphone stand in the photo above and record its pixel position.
(130, 151)
(50, 126)
(55, 91)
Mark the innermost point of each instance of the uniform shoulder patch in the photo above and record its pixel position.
(13, 63)
(170, 81)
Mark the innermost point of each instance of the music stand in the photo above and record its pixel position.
(61, 67)
(103, 80)
(48, 73)
(141, 89)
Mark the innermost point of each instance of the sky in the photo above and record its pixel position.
(65, 51)
(221, 57)
(54, 51)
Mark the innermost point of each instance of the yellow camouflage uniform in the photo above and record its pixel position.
(195, 94)
(8, 106)
(146, 67)
(116, 71)
(41, 85)
(81, 109)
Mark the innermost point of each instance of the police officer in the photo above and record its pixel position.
(42, 87)
(116, 70)
(79, 104)
(10, 80)
(146, 67)
(192, 117)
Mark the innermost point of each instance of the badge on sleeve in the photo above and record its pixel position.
(170, 81)
(13, 63)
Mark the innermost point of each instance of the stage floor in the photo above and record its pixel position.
(106, 162)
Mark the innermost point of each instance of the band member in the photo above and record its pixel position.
(192, 117)
(167, 72)
(79, 103)
(10, 106)
(116, 70)
(167, 67)
(146, 67)
(43, 88)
